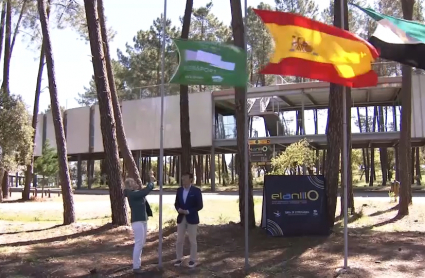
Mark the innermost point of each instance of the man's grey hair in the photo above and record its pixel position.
(130, 184)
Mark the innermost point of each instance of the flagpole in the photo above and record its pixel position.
(161, 135)
(246, 161)
(344, 155)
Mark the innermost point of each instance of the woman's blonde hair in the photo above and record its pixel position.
(130, 184)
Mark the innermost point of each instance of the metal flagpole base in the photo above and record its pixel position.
(343, 270)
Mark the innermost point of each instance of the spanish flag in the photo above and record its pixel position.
(311, 49)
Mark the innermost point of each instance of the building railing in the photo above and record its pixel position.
(264, 102)
(382, 68)
(228, 131)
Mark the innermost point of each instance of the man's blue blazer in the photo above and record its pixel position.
(193, 204)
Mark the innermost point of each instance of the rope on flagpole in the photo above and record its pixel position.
(161, 134)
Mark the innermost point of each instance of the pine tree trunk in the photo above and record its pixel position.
(372, 167)
(375, 121)
(316, 131)
(199, 171)
(173, 168)
(333, 134)
(383, 154)
(372, 178)
(233, 169)
(170, 169)
(184, 101)
(103, 172)
(29, 170)
(367, 149)
(224, 169)
(240, 113)
(193, 159)
(1, 183)
(218, 169)
(418, 167)
(6, 70)
(5, 185)
(68, 201)
(207, 169)
(6, 63)
(18, 23)
(412, 166)
(359, 120)
(2, 24)
(405, 132)
(178, 172)
(107, 121)
(157, 167)
(164, 170)
(131, 166)
(201, 167)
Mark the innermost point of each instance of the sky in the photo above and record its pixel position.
(72, 54)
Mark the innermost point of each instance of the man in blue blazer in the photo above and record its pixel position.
(188, 203)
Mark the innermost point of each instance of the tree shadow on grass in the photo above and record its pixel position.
(32, 231)
(32, 199)
(380, 224)
(59, 238)
(377, 213)
(339, 221)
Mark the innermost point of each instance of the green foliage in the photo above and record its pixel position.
(307, 8)
(356, 158)
(358, 21)
(206, 26)
(142, 61)
(71, 14)
(393, 8)
(63, 14)
(296, 155)
(15, 132)
(89, 97)
(47, 165)
(137, 71)
(260, 47)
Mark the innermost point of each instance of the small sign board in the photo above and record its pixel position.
(259, 142)
(261, 153)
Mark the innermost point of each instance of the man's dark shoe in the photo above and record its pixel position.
(178, 263)
(191, 264)
(137, 271)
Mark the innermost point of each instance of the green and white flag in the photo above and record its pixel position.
(398, 39)
(210, 63)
